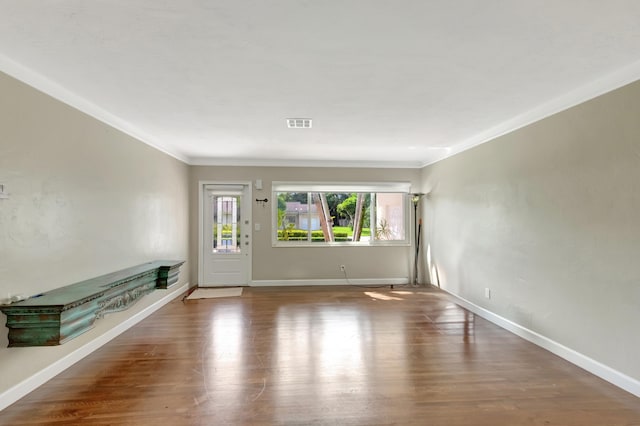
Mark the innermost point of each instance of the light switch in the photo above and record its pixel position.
(256, 226)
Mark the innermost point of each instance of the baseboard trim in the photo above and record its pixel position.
(325, 282)
(603, 371)
(16, 392)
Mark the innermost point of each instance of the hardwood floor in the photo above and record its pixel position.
(323, 356)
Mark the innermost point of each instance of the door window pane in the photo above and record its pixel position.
(226, 224)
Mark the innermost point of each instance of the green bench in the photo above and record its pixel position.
(56, 316)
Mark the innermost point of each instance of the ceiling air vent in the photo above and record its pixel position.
(299, 123)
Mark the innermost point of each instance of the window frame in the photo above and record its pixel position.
(403, 188)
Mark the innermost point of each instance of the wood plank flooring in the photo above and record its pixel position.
(323, 356)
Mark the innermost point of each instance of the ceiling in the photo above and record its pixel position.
(399, 83)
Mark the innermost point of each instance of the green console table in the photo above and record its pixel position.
(59, 315)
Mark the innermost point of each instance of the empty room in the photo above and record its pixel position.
(310, 213)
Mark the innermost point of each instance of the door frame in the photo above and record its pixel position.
(201, 186)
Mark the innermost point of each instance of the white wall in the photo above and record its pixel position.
(309, 263)
(548, 218)
(85, 200)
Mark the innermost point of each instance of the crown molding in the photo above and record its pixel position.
(582, 94)
(64, 95)
(570, 99)
(256, 162)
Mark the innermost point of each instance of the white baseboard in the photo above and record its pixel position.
(16, 392)
(342, 281)
(603, 371)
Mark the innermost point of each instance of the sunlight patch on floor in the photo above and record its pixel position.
(380, 296)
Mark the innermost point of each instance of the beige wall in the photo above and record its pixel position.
(309, 263)
(85, 200)
(548, 218)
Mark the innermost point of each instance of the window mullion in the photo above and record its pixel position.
(309, 227)
(373, 221)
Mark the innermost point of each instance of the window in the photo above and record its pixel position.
(339, 214)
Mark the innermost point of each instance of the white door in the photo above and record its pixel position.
(226, 250)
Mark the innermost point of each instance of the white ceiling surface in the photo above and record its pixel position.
(387, 83)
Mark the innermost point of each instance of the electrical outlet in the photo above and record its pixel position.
(487, 293)
(343, 268)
